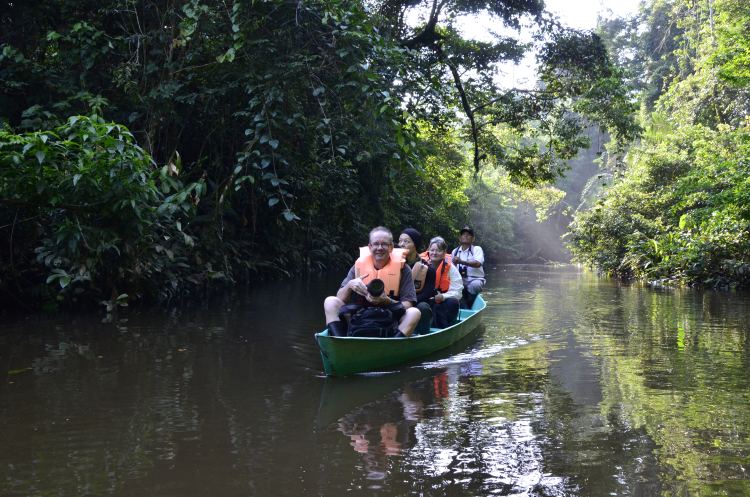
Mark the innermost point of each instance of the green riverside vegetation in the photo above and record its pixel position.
(677, 211)
(151, 151)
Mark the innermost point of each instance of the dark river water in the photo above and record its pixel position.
(573, 386)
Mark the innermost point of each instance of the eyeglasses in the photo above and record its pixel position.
(381, 245)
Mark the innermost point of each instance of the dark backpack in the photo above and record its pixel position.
(376, 322)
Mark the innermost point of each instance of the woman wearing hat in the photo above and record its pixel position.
(411, 241)
(424, 276)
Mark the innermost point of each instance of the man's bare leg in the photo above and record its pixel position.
(407, 323)
(331, 306)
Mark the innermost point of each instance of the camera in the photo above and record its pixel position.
(376, 287)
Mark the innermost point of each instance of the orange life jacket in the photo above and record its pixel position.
(364, 268)
(442, 272)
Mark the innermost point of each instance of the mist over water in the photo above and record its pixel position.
(542, 241)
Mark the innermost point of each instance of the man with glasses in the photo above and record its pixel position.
(377, 261)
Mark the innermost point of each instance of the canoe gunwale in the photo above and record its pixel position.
(343, 356)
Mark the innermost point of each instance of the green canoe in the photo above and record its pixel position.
(343, 356)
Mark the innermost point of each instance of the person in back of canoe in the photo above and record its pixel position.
(424, 276)
(469, 259)
(448, 284)
(377, 261)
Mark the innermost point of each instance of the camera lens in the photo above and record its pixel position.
(376, 287)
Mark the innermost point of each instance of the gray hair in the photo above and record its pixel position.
(440, 241)
(382, 229)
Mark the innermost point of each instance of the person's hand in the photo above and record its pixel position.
(383, 300)
(457, 260)
(439, 298)
(356, 285)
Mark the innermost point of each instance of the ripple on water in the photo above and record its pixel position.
(575, 386)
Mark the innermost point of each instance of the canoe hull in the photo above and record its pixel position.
(343, 356)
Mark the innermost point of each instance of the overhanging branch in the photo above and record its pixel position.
(464, 103)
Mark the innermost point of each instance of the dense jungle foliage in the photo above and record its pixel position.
(677, 209)
(154, 149)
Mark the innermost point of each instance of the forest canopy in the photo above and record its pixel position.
(151, 149)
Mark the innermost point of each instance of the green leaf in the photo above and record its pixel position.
(289, 215)
(273, 201)
(248, 178)
(363, 155)
(685, 222)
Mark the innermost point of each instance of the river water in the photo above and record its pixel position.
(573, 386)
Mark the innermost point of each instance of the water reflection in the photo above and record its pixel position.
(575, 386)
(386, 428)
(439, 430)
